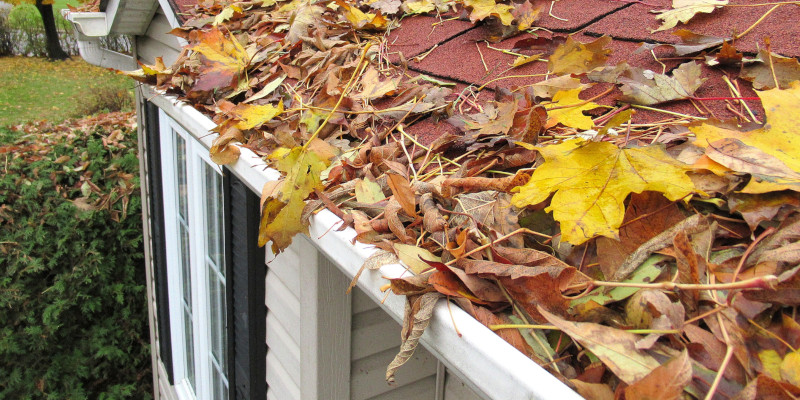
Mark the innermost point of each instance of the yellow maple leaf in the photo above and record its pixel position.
(568, 110)
(226, 14)
(482, 9)
(223, 60)
(778, 138)
(790, 368)
(574, 57)
(591, 181)
(684, 10)
(250, 116)
(420, 6)
(281, 213)
(362, 20)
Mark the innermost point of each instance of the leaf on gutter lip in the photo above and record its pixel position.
(417, 317)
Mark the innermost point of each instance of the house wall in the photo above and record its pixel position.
(157, 42)
(368, 339)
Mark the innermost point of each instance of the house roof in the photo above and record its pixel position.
(299, 72)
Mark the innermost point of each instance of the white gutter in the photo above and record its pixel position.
(89, 27)
(486, 363)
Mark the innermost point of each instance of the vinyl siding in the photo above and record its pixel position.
(375, 340)
(157, 42)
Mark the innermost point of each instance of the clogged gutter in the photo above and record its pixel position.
(642, 258)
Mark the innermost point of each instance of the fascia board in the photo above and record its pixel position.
(486, 363)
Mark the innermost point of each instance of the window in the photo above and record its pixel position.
(196, 269)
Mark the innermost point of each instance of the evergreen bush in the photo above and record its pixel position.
(73, 321)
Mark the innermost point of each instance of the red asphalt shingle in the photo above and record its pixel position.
(781, 26)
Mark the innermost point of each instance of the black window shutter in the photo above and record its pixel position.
(247, 312)
(157, 243)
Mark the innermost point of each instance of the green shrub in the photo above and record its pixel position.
(104, 99)
(73, 319)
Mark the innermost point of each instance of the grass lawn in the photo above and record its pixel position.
(37, 89)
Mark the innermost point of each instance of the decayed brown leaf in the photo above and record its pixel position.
(700, 281)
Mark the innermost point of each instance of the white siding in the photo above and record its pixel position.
(455, 389)
(283, 323)
(375, 340)
(157, 42)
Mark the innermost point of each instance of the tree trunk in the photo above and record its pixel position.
(54, 50)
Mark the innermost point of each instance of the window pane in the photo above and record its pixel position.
(220, 387)
(180, 150)
(214, 222)
(217, 314)
(186, 276)
(189, 349)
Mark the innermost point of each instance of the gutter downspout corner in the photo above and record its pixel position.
(89, 27)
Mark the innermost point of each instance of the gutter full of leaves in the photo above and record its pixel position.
(638, 259)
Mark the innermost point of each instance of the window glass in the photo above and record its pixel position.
(184, 258)
(180, 150)
(215, 265)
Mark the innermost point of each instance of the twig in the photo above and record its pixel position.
(485, 67)
(746, 31)
(498, 240)
(761, 282)
(725, 361)
(749, 250)
(341, 97)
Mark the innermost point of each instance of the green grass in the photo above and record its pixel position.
(33, 89)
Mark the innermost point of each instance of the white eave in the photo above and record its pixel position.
(484, 361)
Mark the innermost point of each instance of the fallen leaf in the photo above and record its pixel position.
(691, 43)
(362, 20)
(648, 90)
(414, 257)
(778, 137)
(769, 66)
(419, 7)
(482, 9)
(647, 215)
(281, 215)
(574, 57)
(531, 286)
(548, 88)
(614, 347)
(666, 382)
(645, 273)
(684, 10)
(373, 88)
(770, 363)
(757, 208)
(593, 391)
(568, 110)
(591, 181)
(417, 317)
(403, 193)
(790, 368)
(223, 60)
(250, 116)
(769, 173)
(764, 387)
(226, 14)
(368, 191)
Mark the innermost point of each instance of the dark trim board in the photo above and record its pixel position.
(247, 312)
(155, 201)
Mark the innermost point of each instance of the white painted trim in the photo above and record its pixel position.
(196, 157)
(486, 363)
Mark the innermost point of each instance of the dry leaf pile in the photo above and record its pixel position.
(630, 260)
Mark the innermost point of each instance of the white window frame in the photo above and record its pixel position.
(196, 156)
